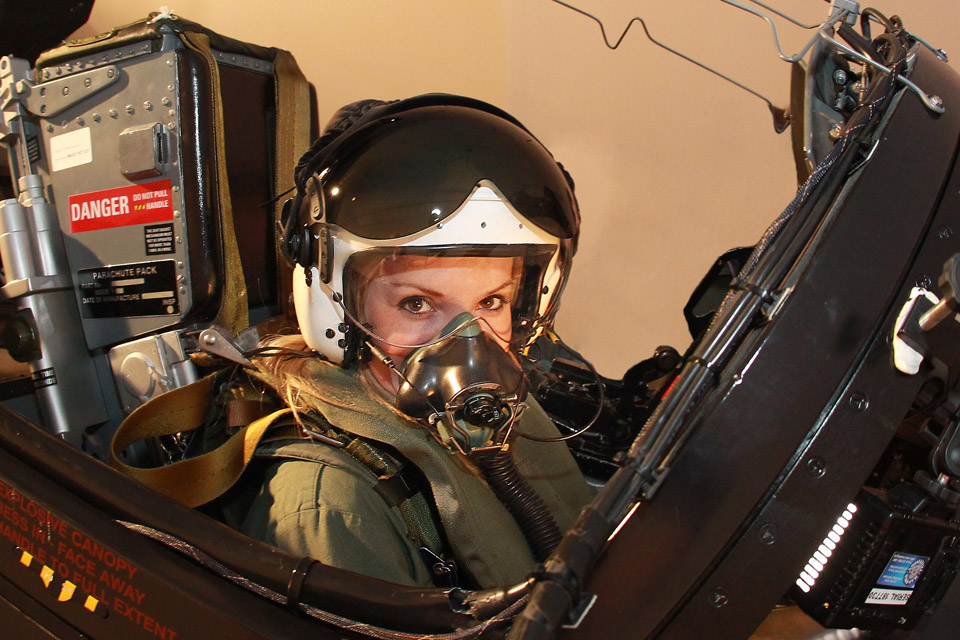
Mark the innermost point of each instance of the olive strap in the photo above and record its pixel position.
(192, 481)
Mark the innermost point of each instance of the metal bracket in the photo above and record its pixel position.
(217, 341)
(55, 96)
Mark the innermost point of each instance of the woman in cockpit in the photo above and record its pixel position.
(431, 239)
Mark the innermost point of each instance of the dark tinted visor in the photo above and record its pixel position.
(404, 173)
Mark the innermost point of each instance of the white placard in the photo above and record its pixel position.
(888, 596)
(70, 150)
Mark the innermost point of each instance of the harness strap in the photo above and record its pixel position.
(396, 489)
(393, 483)
(198, 480)
(192, 481)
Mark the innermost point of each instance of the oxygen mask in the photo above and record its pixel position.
(464, 386)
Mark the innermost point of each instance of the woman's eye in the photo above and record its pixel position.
(415, 304)
(492, 303)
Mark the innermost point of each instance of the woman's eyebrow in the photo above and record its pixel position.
(420, 289)
(507, 284)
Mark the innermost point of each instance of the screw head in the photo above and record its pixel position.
(936, 101)
(768, 533)
(719, 597)
(816, 466)
(859, 402)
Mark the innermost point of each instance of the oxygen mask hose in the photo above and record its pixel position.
(521, 500)
(469, 390)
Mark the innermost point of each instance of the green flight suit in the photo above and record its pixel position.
(317, 501)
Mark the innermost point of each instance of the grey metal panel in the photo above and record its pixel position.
(146, 95)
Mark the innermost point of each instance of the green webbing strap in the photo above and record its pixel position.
(233, 302)
(193, 481)
(390, 485)
(416, 513)
(293, 139)
(196, 481)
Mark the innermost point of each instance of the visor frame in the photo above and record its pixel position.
(402, 193)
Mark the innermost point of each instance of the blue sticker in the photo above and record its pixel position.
(903, 570)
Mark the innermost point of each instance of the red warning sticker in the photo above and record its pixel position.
(121, 207)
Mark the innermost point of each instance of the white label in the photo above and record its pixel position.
(71, 149)
(888, 596)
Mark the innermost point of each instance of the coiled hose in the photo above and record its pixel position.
(521, 500)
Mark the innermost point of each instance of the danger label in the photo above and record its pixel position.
(121, 207)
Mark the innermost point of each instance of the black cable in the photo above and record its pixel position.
(601, 400)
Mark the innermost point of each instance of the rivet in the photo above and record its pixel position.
(171, 126)
(96, 117)
(113, 113)
(80, 121)
(87, 82)
(166, 101)
(129, 109)
(148, 105)
(66, 91)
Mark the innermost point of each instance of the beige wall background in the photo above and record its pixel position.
(673, 165)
